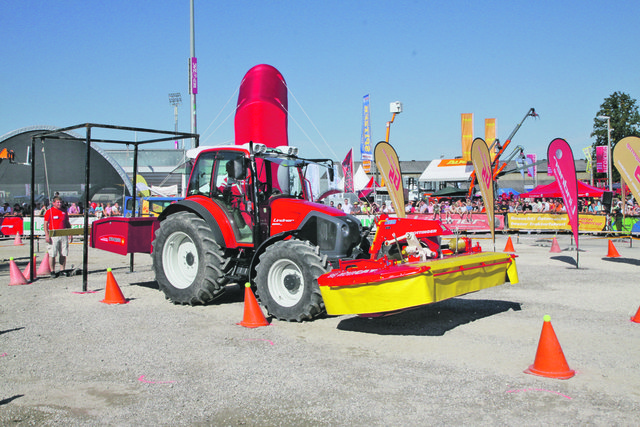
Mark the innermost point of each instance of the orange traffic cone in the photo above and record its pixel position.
(550, 361)
(253, 317)
(18, 241)
(27, 271)
(44, 269)
(636, 318)
(113, 294)
(613, 252)
(509, 246)
(15, 275)
(555, 247)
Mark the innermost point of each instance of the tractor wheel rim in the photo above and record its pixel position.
(180, 260)
(286, 283)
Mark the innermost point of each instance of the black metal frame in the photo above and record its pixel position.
(170, 136)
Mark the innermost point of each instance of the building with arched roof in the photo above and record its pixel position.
(60, 167)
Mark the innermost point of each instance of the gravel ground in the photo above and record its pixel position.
(67, 358)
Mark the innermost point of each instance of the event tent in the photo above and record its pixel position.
(553, 190)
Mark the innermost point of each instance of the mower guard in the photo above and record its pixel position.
(375, 286)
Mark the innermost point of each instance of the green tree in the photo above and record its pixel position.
(624, 121)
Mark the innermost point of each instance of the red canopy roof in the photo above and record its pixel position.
(553, 190)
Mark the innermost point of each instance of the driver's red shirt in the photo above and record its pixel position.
(56, 218)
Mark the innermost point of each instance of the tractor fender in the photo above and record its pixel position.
(201, 211)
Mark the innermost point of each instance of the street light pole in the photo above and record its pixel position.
(609, 176)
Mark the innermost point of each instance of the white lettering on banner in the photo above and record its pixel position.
(633, 152)
(633, 184)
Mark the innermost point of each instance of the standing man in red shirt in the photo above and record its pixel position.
(56, 218)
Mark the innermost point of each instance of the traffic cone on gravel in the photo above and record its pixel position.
(253, 317)
(509, 246)
(636, 318)
(555, 247)
(15, 275)
(27, 271)
(550, 361)
(44, 269)
(613, 252)
(18, 240)
(113, 294)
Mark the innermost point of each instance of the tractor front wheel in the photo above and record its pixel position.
(189, 264)
(287, 280)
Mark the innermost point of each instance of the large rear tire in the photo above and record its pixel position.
(287, 280)
(189, 264)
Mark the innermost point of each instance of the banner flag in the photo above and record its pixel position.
(602, 163)
(490, 135)
(481, 160)
(347, 169)
(587, 156)
(467, 135)
(533, 169)
(626, 158)
(564, 169)
(387, 162)
(366, 152)
(193, 76)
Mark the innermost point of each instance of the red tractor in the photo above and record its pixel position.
(248, 217)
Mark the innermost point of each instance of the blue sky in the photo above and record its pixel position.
(114, 62)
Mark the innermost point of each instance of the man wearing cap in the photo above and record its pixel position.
(56, 218)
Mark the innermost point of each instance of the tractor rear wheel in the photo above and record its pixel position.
(189, 264)
(287, 280)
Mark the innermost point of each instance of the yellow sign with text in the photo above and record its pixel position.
(542, 221)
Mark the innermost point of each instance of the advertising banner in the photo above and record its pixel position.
(533, 169)
(387, 162)
(12, 225)
(564, 169)
(490, 135)
(467, 135)
(347, 169)
(481, 160)
(602, 162)
(366, 151)
(543, 221)
(626, 158)
(193, 75)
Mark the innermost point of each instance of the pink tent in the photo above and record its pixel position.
(553, 190)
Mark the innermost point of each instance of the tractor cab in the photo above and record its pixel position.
(252, 183)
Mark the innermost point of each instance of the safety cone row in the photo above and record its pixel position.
(15, 275)
(113, 294)
(555, 247)
(613, 252)
(509, 246)
(18, 240)
(636, 318)
(43, 268)
(550, 361)
(253, 316)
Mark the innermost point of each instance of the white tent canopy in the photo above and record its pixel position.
(360, 179)
(445, 170)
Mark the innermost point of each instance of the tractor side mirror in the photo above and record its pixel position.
(239, 169)
(331, 175)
